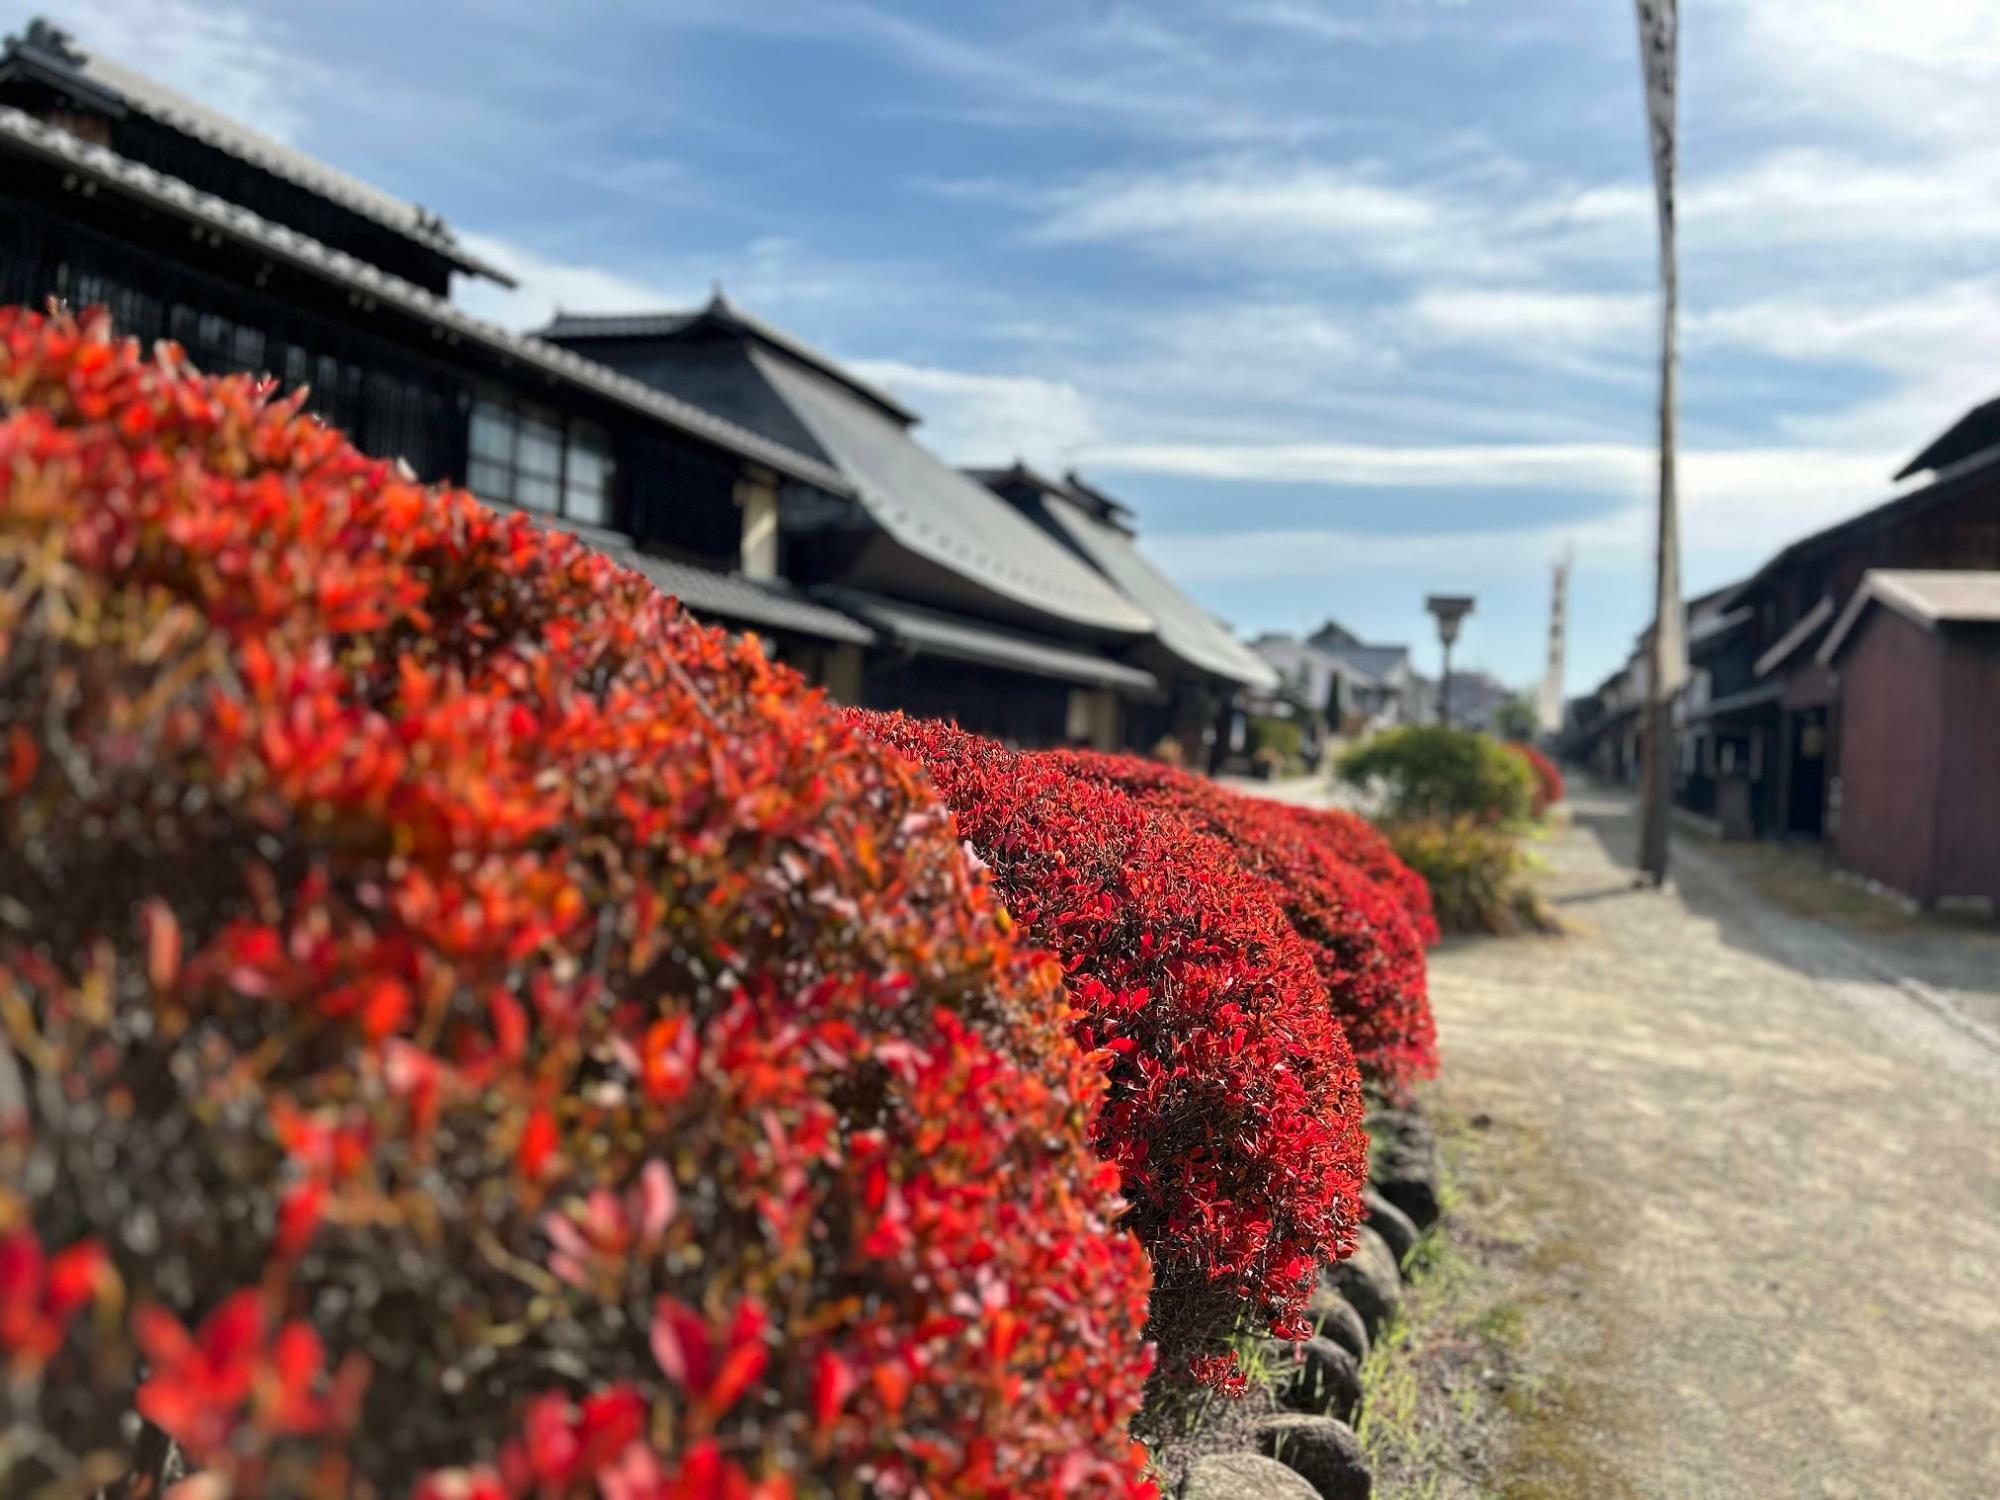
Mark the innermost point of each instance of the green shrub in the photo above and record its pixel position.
(1477, 874)
(1274, 742)
(1432, 772)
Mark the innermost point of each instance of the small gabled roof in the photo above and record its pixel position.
(1070, 489)
(1376, 661)
(721, 313)
(100, 165)
(1184, 628)
(1930, 598)
(51, 56)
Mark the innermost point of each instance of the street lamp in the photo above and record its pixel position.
(1449, 609)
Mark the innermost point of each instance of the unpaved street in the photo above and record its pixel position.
(1775, 1159)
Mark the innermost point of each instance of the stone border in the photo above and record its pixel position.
(1309, 1449)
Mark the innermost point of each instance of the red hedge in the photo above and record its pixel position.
(1368, 954)
(1548, 779)
(1354, 840)
(462, 1013)
(1235, 1109)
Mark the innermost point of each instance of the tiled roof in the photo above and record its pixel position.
(1376, 661)
(723, 313)
(54, 56)
(1184, 628)
(941, 514)
(24, 132)
(930, 632)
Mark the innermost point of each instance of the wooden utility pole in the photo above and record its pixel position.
(1659, 27)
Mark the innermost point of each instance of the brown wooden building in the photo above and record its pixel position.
(1914, 660)
(1775, 722)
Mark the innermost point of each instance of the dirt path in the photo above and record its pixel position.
(1775, 1245)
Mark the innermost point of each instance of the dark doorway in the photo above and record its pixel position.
(1807, 816)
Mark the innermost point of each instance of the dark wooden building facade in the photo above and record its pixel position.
(980, 613)
(1782, 715)
(742, 471)
(115, 191)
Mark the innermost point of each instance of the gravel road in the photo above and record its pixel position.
(1782, 1146)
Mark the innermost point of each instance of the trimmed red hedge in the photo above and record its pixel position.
(1353, 839)
(474, 1020)
(1235, 1111)
(1548, 779)
(1363, 944)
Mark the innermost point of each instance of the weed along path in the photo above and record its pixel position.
(1748, 1180)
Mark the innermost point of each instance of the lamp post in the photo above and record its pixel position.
(1449, 609)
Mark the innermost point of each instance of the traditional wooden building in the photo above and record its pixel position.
(1915, 662)
(115, 190)
(981, 614)
(1201, 667)
(1782, 713)
(1718, 767)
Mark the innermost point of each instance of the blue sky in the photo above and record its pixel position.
(1350, 301)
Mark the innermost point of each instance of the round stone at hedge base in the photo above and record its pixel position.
(1324, 1452)
(1403, 1163)
(1335, 1318)
(1316, 1376)
(1395, 1227)
(1243, 1476)
(1369, 1280)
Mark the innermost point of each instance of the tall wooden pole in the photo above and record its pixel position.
(1667, 665)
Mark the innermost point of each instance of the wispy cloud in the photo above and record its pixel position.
(225, 58)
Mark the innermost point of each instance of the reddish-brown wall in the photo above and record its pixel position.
(1968, 853)
(1891, 735)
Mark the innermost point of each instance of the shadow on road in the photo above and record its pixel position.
(1782, 905)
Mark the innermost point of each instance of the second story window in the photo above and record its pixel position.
(528, 455)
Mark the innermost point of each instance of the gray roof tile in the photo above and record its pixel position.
(1186, 629)
(944, 515)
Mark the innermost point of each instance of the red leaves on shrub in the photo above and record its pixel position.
(1367, 952)
(415, 918)
(40, 1294)
(1354, 840)
(1548, 779)
(1234, 1109)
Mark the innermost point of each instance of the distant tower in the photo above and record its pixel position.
(1550, 709)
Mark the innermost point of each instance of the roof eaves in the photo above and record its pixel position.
(175, 196)
(955, 637)
(54, 57)
(1801, 632)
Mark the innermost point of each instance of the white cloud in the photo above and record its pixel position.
(547, 284)
(230, 60)
(1936, 350)
(989, 419)
(1750, 498)
(1527, 318)
(1225, 213)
